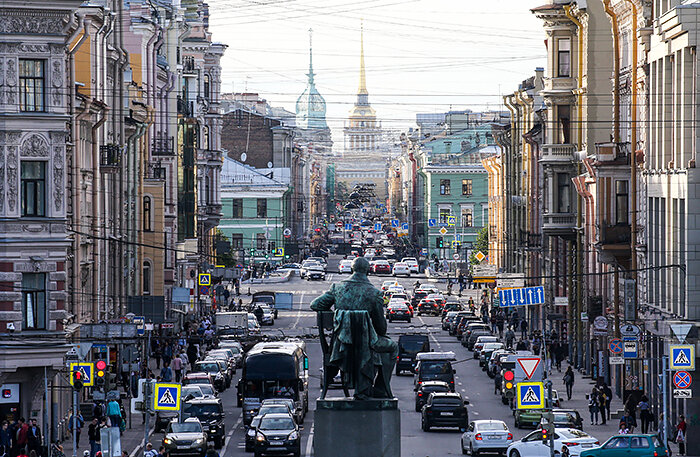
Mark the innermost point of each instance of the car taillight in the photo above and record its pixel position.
(570, 443)
(478, 437)
(510, 436)
(597, 443)
(656, 454)
(420, 394)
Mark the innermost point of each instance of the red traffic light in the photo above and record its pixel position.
(101, 365)
(508, 375)
(77, 375)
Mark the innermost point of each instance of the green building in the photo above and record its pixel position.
(453, 187)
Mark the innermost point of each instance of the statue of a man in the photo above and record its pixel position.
(358, 293)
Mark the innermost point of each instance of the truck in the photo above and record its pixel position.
(233, 323)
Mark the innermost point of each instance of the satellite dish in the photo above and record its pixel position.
(269, 164)
(244, 156)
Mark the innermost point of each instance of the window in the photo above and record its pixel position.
(31, 85)
(147, 271)
(564, 57)
(444, 214)
(262, 207)
(34, 301)
(563, 193)
(639, 442)
(33, 189)
(260, 241)
(467, 217)
(466, 187)
(444, 187)
(620, 442)
(621, 203)
(237, 208)
(147, 227)
(205, 137)
(564, 121)
(207, 86)
(237, 241)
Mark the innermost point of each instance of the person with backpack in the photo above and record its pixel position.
(569, 382)
(75, 425)
(593, 407)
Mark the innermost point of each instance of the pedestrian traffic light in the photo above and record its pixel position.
(77, 380)
(100, 373)
(509, 383)
(438, 242)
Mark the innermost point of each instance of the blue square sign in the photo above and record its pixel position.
(683, 357)
(348, 226)
(167, 397)
(377, 226)
(530, 395)
(432, 222)
(395, 223)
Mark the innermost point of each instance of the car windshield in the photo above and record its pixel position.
(267, 409)
(447, 401)
(185, 427)
(195, 391)
(564, 417)
(196, 410)
(431, 389)
(495, 426)
(573, 433)
(411, 345)
(206, 389)
(208, 367)
(437, 367)
(276, 423)
(398, 306)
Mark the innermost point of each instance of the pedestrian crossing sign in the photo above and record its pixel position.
(86, 370)
(167, 397)
(683, 357)
(530, 395)
(205, 279)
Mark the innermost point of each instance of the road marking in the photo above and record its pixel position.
(330, 277)
(138, 448)
(476, 413)
(230, 434)
(430, 333)
(310, 441)
(301, 302)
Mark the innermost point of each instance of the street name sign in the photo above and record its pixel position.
(682, 357)
(530, 395)
(86, 369)
(166, 397)
(617, 360)
(510, 280)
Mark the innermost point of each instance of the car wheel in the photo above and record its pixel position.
(515, 453)
(472, 451)
(417, 408)
(248, 448)
(464, 450)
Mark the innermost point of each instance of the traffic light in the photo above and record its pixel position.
(438, 242)
(77, 380)
(547, 430)
(100, 373)
(509, 383)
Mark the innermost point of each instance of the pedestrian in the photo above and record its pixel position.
(498, 382)
(608, 398)
(150, 452)
(114, 413)
(510, 337)
(5, 439)
(34, 437)
(523, 328)
(644, 413)
(630, 421)
(166, 373)
(258, 314)
(75, 425)
(593, 407)
(192, 353)
(98, 409)
(161, 452)
(569, 382)
(94, 437)
(601, 406)
(155, 350)
(185, 361)
(176, 366)
(681, 433)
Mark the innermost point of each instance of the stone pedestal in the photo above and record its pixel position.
(357, 428)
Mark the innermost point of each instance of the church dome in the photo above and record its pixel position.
(311, 106)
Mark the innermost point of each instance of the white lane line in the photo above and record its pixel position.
(476, 413)
(310, 442)
(230, 434)
(430, 333)
(330, 277)
(301, 302)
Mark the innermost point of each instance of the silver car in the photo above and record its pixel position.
(486, 436)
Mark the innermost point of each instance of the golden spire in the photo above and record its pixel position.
(362, 90)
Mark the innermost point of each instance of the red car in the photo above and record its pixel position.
(381, 267)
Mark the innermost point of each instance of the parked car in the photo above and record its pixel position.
(629, 446)
(190, 391)
(398, 311)
(277, 433)
(447, 319)
(381, 267)
(215, 371)
(345, 266)
(528, 417)
(469, 339)
(486, 436)
(185, 438)
(444, 409)
(412, 264)
(479, 343)
(485, 353)
(428, 388)
(576, 441)
(401, 269)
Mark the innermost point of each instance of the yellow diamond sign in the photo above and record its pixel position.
(443, 231)
(479, 256)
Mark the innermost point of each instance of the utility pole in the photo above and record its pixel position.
(75, 422)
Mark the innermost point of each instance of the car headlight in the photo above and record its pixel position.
(199, 441)
(260, 437)
(168, 441)
(292, 436)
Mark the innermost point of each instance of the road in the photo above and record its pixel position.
(470, 381)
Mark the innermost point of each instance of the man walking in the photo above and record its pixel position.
(34, 437)
(176, 365)
(569, 382)
(94, 436)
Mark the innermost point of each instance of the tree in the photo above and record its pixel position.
(481, 244)
(223, 258)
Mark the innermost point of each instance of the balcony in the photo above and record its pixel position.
(110, 157)
(612, 154)
(163, 146)
(559, 224)
(614, 244)
(559, 84)
(558, 153)
(184, 107)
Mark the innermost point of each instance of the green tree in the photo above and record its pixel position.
(480, 244)
(225, 258)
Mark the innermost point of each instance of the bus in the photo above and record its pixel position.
(277, 369)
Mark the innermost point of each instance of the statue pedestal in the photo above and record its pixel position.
(357, 428)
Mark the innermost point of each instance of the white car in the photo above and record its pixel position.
(345, 266)
(486, 436)
(388, 283)
(401, 268)
(532, 445)
(412, 263)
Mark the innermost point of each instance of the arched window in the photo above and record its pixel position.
(147, 225)
(147, 279)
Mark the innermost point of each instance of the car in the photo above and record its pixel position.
(556, 401)
(401, 268)
(185, 438)
(253, 325)
(451, 306)
(194, 377)
(215, 371)
(486, 436)
(438, 298)
(320, 259)
(226, 354)
(469, 339)
(228, 370)
(236, 349)
(575, 440)
(409, 347)
(633, 445)
(250, 433)
(567, 418)
(268, 317)
(412, 264)
(434, 366)
(398, 311)
(210, 413)
(447, 319)
(401, 302)
(294, 268)
(381, 267)
(528, 417)
(480, 341)
(428, 388)
(275, 408)
(314, 270)
(296, 409)
(191, 391)
(428, 306)
(486, 351)
(208, 390)
(388, 283)
(444, 409)
(277, 434)
(345, 266)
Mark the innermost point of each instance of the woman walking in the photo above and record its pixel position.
(681, 429)
(569, 382)
(593, 407)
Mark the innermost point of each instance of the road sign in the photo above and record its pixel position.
(443, 231)
(348, 226)
(629, 330)
(682, 393)
(522, 296)
(166, 397)
(395, 223)
(510, 280)
(203, 290)
(378, 226)
(616, 346)
(528, 365)
(456, 244)
(616, 360)
(278, 252)
(287, 232)
(451, 220)
(204, 279)
(424, 252)
(681, 331)
(404, 226)
(530, 395)
(480, 256)
(458, 237)
(455, 255)
(432, 222)
(682, 380)
(140, 322)
(629, 348)
(86, 369)
(683, 357)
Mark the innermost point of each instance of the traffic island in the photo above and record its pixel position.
(360, 428)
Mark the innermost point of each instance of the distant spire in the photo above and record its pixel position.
(311, 65)
(362, 90)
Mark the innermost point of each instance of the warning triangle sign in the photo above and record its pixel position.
(681, 359)
(529, 365)
(167, 398)
(530, 396)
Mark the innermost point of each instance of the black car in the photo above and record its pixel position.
(277, 434)
(428, 388)
(398, 311)
(418, 295)
(445, 410)
(468, 340)
(409, 346)
(451, 306)
(428, 306)
(210, 413)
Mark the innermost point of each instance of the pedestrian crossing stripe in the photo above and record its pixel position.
(530, 395)
(167, 397)
(85, 369)
(683, 357)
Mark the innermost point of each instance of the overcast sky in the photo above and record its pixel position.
(421, 55)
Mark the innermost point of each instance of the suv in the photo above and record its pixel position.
(445, 409)
(277, 433)
(409, 347)
(428, 306)
(210, 413)
(186, 437)
(434, 366)
(427, 388)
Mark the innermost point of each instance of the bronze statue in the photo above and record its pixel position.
(374, 355)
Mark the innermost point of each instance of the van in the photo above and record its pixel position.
(409, 347)
(434, 366)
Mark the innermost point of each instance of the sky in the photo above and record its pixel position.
(422, 56)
